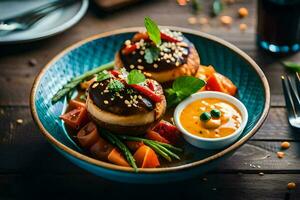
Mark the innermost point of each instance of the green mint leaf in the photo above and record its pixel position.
(103, 76)
(135, 77)
(182, 88)
(152, 30)
(292, 66)
(217, 7)
(187, 85)
(115, 86)
(151, 54)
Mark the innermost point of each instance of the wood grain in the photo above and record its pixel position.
(212, 186)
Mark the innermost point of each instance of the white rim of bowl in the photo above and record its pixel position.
(211, 94)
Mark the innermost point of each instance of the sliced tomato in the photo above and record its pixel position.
(220, 83)
(76, 104)
(88, 135)
(168, 131)
(204, 72)
(152, 135)
(101, 149)
(76, 118)
(129, 49)
(147, 92)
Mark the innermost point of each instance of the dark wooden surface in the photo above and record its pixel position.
(30, 168)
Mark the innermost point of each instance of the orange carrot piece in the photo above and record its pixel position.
(133, 145)
(153, 135)
(117, 158)
(139, 155)
(145, 157)
(150, 160)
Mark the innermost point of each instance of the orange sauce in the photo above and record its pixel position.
(229, 121)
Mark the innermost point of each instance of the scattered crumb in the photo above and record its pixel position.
(280, 154)
(285, 145)
(226, 20)
(192, 20)
(19, 121)
(243, 27)
(261, 173)
(32, 62)
(291, 186)
(204, 179)
(243, 12)
(229, 1)
(214, 189)
(203, 20)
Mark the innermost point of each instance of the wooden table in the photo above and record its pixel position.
(31, 168)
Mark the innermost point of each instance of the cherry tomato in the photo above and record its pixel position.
(75, 118)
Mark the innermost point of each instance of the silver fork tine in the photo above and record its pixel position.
(288, 97)
(295, 96)
(297, 79)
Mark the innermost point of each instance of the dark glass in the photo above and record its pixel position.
(278, 25)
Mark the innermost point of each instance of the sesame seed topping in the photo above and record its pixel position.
(155, 65)
(142, 52)
(140, 67)
(131, 66)
(126, 102)
(139, 60)
(95, 85)
(105, 102)
(127, 42)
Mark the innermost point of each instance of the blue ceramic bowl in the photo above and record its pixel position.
(253, 91)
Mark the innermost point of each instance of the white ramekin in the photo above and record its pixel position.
(211, 143)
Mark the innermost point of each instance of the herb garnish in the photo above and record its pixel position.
(103, 76)
(72, 84)
(135, 77)
(217, 7)
(152, 30)
(292, 66)
(151, 54)
(115, 86)
(182, 88)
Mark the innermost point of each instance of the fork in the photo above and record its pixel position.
(291, 90)
(25, 20)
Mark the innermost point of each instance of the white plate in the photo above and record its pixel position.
(54, 23)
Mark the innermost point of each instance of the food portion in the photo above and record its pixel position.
(118, 114)
(215, 81)
(162, 55)
(211, 118)
(118, 105)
